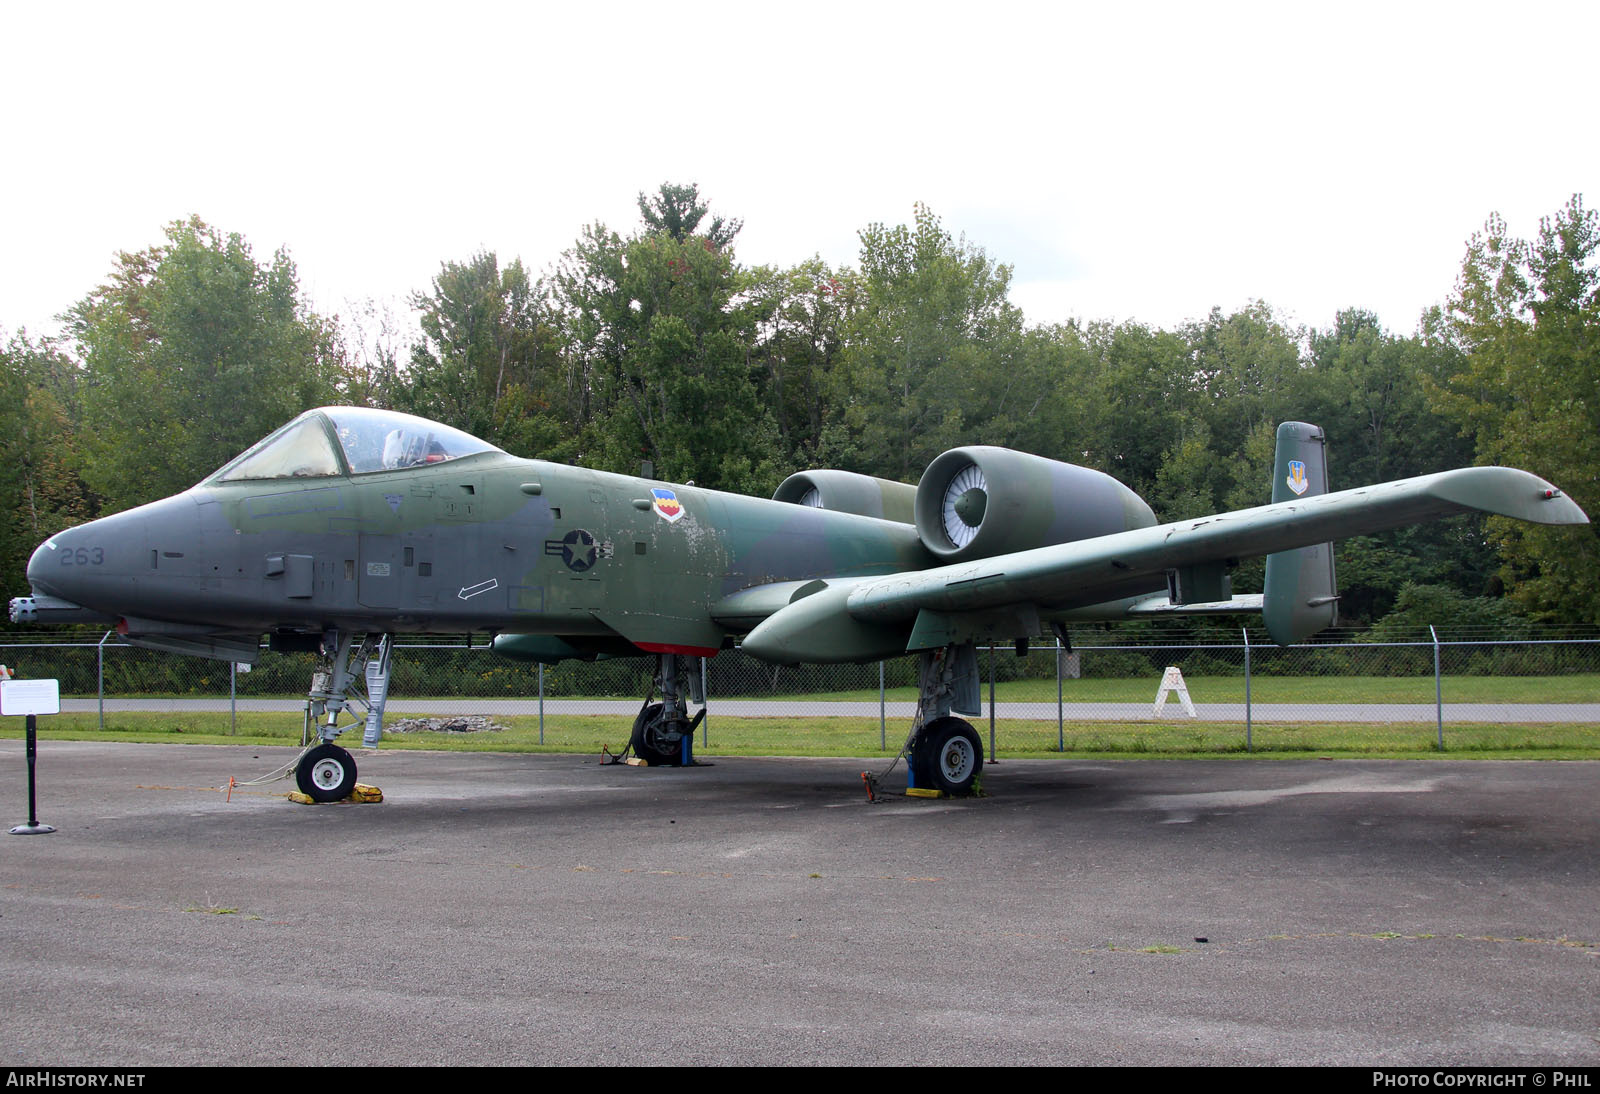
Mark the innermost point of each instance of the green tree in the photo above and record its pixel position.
(677, 210)
(925, 346)
(1370, 400)
(38, 452)
(660, 335)
(1143, 393)
(1249, 376)
(1524, 322)
(801, 314)
(1035, 397)
(488, 359)
(377, 342)
(1187, 484)
(1453, 614)
(191, 352)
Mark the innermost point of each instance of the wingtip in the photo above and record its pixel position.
(1508, 492)
(1570, 511)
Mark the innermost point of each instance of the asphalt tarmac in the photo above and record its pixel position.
(511, 909)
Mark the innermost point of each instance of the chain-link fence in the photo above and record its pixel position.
(1097, 695)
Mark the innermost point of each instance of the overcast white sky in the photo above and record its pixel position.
(1131, 161)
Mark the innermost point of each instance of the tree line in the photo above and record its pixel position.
(658, 345)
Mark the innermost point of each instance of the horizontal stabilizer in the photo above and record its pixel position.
(1161, 605)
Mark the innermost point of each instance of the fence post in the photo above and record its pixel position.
(1248, 743)
(991, 704)
(1061, 727)
(541, 702)
(233, 698)
(705, 708)
(100, 677)
(883, 721)
(1438, 688)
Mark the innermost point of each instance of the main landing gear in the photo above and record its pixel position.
(944, 752)
(327, 772)
(948, 757)
(663, 732)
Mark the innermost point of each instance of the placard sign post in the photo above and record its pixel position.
(31, 698)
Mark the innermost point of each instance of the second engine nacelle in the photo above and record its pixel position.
(848, 492)
(980, 501)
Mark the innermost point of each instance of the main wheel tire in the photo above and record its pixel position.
(326, 774)
(649, 741)
(949, 757)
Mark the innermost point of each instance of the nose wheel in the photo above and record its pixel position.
(326, 773)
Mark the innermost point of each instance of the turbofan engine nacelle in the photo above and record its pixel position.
(848, 492)
(980, 501)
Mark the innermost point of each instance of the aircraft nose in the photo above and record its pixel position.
(35, 570)
(101, 563)
(41, 574)
(65, 564)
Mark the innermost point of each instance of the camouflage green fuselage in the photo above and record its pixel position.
(490, 542)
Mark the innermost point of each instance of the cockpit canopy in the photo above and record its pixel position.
(351, 440)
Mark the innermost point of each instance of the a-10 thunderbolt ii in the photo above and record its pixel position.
(350, 525)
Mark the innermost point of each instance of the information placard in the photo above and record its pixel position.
(30, 697)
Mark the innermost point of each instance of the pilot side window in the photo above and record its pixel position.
(300, 451)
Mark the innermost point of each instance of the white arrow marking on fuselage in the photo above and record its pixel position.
(471, 591)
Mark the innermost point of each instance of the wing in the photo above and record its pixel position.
(1009, 595)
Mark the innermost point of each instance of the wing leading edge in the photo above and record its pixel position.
(861, 619)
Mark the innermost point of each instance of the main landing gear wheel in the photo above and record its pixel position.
(650, 741)
(326, 774)
(948, 757)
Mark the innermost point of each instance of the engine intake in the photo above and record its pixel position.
(980, 501)
(848, 492)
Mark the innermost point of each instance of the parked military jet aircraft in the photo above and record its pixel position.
(350, 525)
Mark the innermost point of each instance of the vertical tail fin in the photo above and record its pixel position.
(1300, 596)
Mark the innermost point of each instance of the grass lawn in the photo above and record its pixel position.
(731, 736)
(1578, 688)
(1574, 688)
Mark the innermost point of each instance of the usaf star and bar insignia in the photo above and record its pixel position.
(578, 549)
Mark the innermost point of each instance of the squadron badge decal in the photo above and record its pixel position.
(666, 504)
(1297, 477)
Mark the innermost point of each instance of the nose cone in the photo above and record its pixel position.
(39, 568)
(66, 564)
(104, 563)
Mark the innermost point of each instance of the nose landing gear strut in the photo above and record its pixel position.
(327, 772)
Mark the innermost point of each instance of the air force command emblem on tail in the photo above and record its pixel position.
(1297, 477)
(666, 504)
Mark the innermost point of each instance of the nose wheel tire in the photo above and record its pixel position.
(948, 757)
(326, 774)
